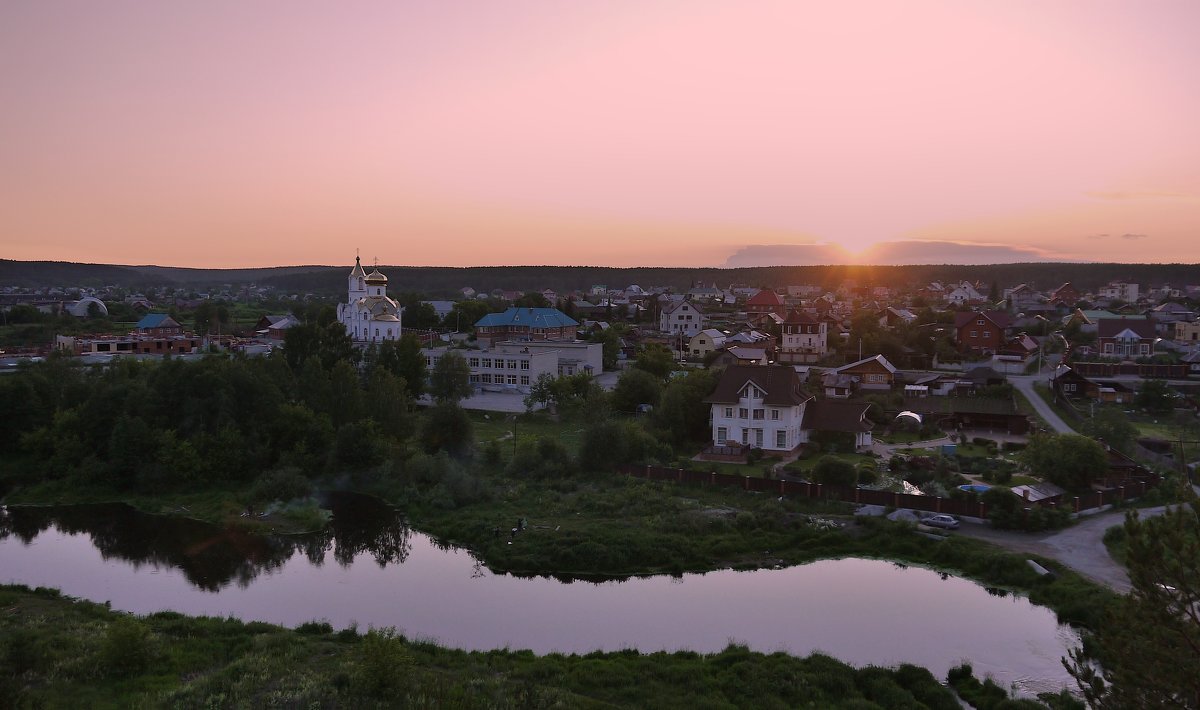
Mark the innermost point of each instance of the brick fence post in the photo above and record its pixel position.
(712, 477)
(1077, 505)
(746, 482)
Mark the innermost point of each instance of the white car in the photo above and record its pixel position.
(947, 522)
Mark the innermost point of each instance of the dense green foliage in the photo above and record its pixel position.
(1068, 460)
(170, 426)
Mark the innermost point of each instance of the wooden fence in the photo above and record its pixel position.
(969, 507)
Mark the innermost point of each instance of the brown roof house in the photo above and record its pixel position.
(1125, 337)
(872, 373)
(981, 331)
(767, 407)
(766, 301)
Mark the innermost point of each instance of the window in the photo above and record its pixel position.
(974, 333)
(759, 414)
(1069, 388)
(979, 322)
(729, 412)
(1108, 347)
(487, 362)
(428, 360)
(474, 379)
(987, 333)
(758, 438)
(524, 379)
(743, 413)
(781, 439)
(524, 364)
(512, 379)
(485, 378)
(775, 415)
(722, 434)
(474, 362)
(745, 436)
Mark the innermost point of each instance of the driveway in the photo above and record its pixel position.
(1024, 383)
(1080, 547)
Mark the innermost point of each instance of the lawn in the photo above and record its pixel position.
(496, 426)
(805, 465)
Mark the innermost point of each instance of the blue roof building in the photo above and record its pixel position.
(158, 322)
(527, 324)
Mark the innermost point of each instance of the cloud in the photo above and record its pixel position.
(788, 255)
(1129, 236)
(899, 252)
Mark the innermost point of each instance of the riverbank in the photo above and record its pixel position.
(612, 526)
(58, 652)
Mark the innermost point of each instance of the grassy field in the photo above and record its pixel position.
(495, 426)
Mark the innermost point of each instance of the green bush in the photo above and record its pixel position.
(125, 650)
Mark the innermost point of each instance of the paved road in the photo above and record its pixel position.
(1024, 383)
(1080, 547)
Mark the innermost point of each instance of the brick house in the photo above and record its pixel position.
(526, 324)
(981, 331)
(1125, 337)
(158, 325)
(766, 301)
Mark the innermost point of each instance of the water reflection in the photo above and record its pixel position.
(212, 557)
(368, 569)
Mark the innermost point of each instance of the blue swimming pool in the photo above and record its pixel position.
(974, 487)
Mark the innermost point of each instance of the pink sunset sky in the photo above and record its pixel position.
(624, 133)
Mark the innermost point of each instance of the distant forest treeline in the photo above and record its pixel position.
(445, 281)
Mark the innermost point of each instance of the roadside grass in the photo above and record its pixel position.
(1062, 410)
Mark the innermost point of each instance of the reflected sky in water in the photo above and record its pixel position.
(368, 569)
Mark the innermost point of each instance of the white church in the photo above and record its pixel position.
(368, 314)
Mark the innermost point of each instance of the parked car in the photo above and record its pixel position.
(941, 521)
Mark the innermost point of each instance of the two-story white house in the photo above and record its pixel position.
(681, 318)
(805, 339)
(766, 407)
(759, 406)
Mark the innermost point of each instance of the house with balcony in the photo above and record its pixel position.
(872, 373)
(768, 408)
(1126, 337)
(804, 339)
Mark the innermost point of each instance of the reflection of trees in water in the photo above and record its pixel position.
(211, 557)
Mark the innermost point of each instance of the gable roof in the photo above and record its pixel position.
(676, 305)
(780, 382)
(765, 297)
(157, 320)
(829, 415)
(528, 317)
(1111, 327)
(998, 318)
(797, 317)
(878, 358)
